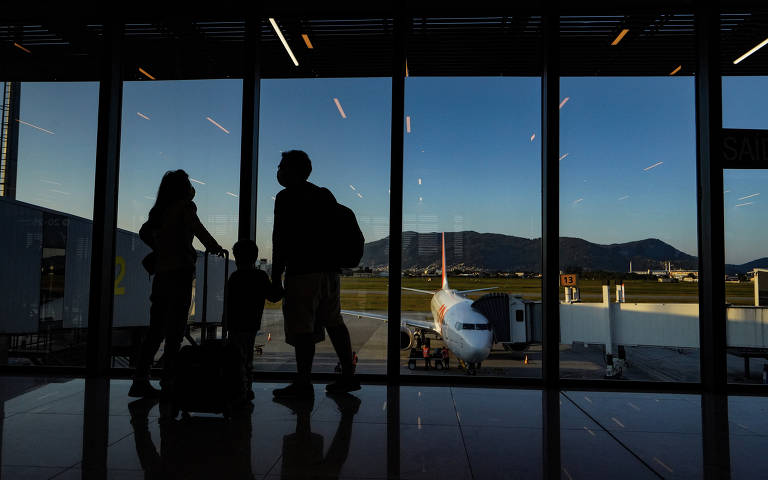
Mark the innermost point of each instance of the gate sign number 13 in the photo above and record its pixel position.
(569, 280)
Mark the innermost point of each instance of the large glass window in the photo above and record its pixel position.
(48, 126)
(628, 231)
(168, 125)
(48, 160)
(745, 77)
(472, 195)
(343, 124)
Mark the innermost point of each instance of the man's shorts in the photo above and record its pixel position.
(312, 303)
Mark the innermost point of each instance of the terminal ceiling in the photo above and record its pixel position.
(355, 42)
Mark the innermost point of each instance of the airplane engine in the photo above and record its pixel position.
(406, 338)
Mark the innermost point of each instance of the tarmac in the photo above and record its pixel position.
(577, 361)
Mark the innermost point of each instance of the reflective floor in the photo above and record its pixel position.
(405, 432)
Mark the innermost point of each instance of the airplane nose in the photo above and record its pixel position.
(479, 347)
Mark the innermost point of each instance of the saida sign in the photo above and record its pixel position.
(744, 148)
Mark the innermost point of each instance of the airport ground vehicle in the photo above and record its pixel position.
(416, 358)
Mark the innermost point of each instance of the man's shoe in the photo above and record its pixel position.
(343, 385)
(295, 390)
(142, 388)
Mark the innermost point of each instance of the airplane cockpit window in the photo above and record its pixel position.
(472, 326)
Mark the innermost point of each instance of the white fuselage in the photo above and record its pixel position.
(465, 331)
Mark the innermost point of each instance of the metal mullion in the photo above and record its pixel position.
(470, 381)
(629, 386)
(249, 140)
(711, 243)
(45, 370)
(550, 290)
(102, 276)
(95, 428)
(393, 431)
(400, 32)
(550, 221)
(755, 390)
(712, 314)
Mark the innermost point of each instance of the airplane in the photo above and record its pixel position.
(465, 331)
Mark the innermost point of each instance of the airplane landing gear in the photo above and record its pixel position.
(470, 367)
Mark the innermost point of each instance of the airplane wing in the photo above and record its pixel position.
(478, 290)
(425, 292)
(408, 321)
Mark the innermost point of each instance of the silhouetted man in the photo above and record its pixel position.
(302, 242)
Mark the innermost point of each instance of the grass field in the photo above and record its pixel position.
(371, 293)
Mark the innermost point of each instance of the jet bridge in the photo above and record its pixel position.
(512, 319)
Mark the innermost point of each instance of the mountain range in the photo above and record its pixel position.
(469, 250)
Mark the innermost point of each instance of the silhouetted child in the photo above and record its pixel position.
(247, 289)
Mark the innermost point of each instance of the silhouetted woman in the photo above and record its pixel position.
(169, 231)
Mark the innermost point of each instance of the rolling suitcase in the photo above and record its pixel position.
(209, 375)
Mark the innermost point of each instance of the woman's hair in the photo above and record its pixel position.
(174, 187)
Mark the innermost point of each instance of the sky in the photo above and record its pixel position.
(471, 158)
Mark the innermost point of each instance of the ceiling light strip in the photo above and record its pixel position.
(146, 74)
(306, 41)
(19, 46)
(282, 39)
(341, 110)
(35, 126)
(620, 36)
(753, 50)
(217, 124)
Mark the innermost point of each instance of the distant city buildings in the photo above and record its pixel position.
(668, 275)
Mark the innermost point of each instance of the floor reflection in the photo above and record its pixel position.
(193, 447)
(379, 432)
(303, 450)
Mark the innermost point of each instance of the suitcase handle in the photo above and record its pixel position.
(204, 319)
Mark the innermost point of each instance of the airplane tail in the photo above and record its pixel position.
(445, 272)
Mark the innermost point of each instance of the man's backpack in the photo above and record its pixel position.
(349, 241)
